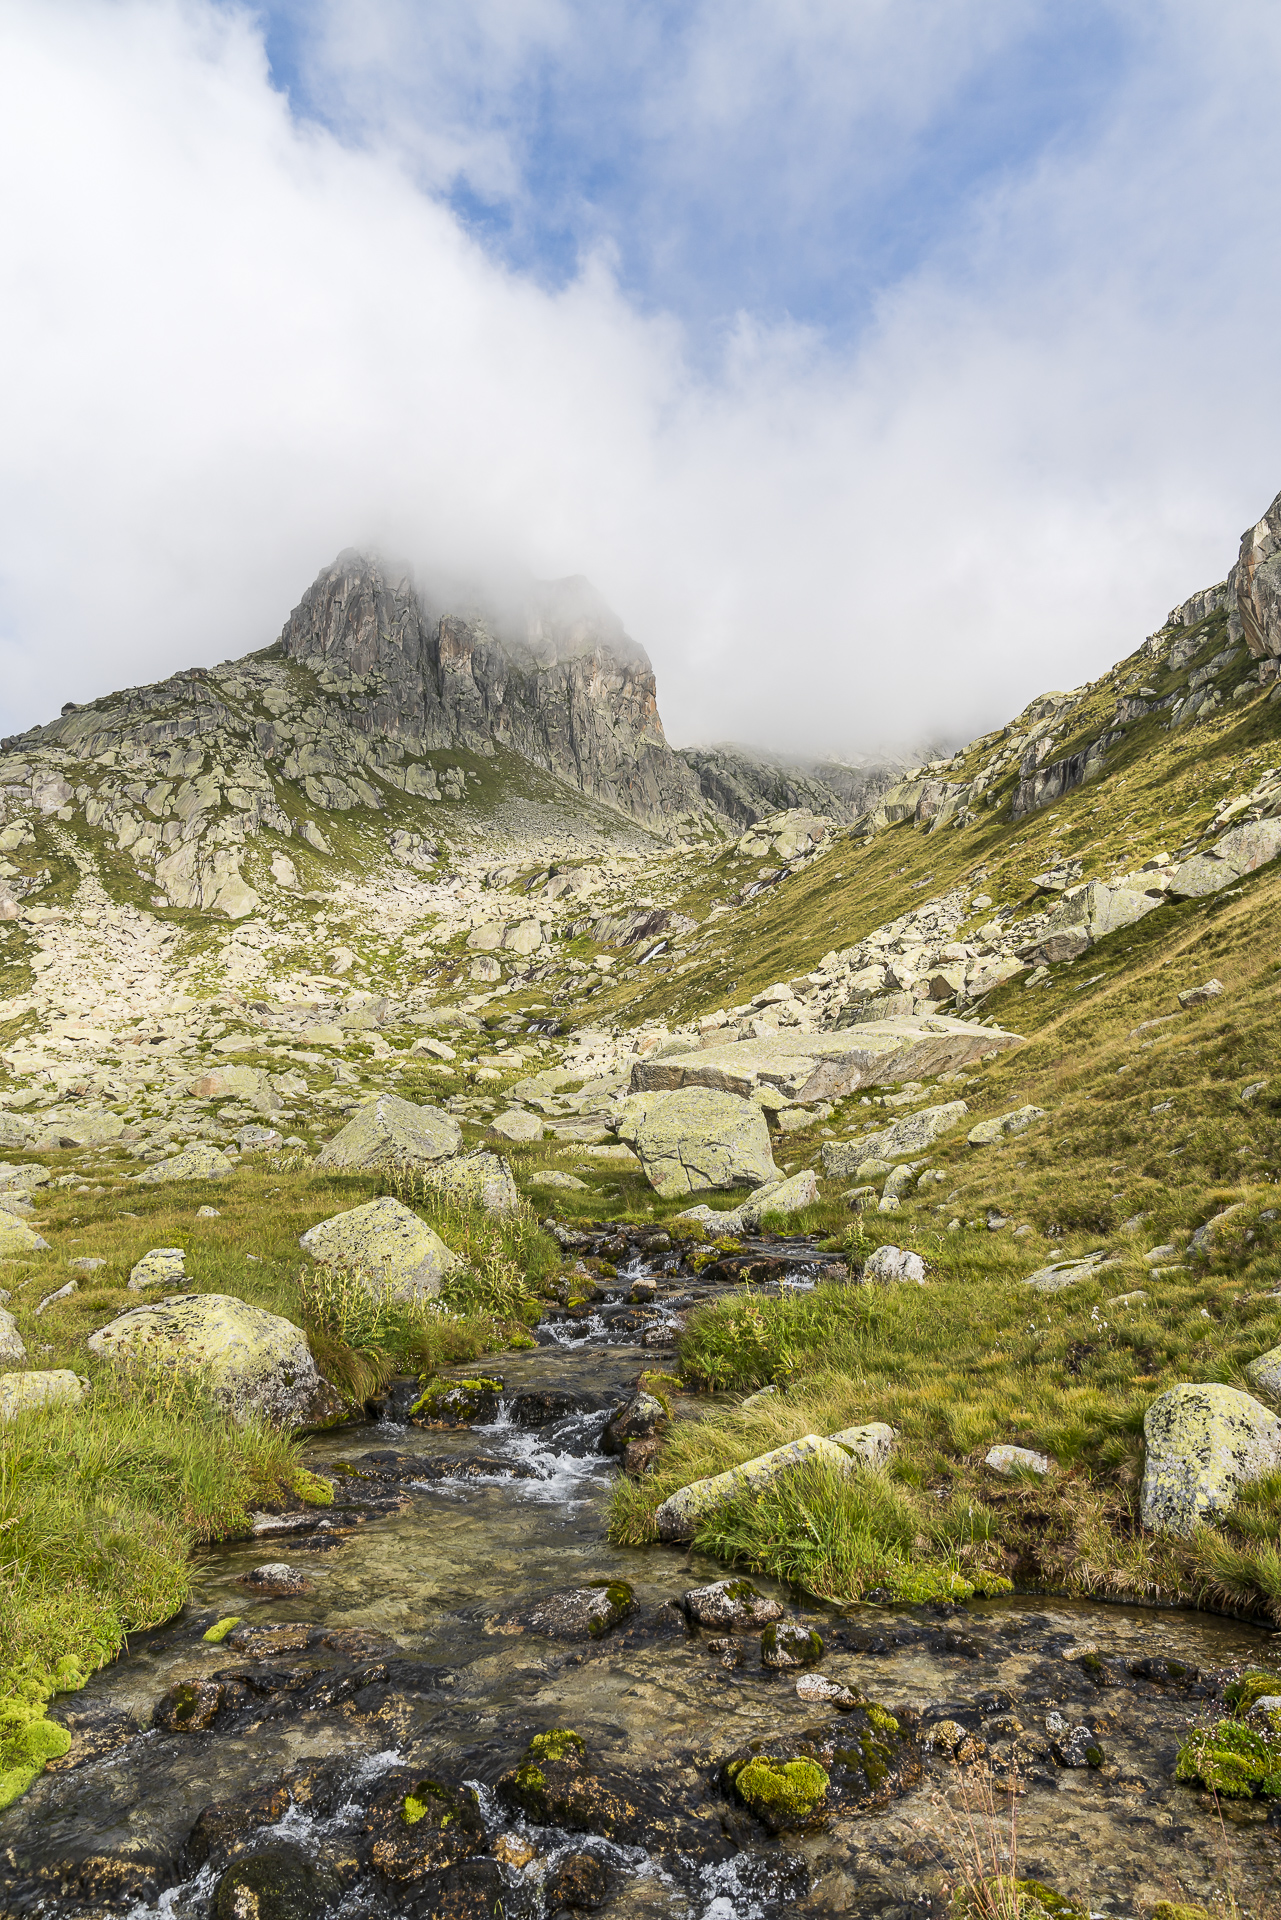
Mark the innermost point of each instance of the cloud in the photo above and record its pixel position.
(238, 339)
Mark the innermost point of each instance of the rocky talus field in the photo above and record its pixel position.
(589, 1328)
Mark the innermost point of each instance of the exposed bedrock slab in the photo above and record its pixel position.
(825, 1066)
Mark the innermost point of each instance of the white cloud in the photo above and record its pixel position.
(233, 346)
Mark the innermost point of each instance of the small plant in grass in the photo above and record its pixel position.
(492, 1283)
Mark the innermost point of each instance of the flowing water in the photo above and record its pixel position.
(414, 1656)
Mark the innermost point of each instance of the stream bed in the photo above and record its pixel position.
(355, 1747)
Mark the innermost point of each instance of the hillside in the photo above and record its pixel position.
(412, 849)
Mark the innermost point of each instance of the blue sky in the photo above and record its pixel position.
(883, 362)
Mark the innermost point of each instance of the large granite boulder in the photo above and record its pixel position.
(915, 1135)
(17, 1239)
(20, 1392)
(695, 1139)
(199, 1161)
(679, 1516)
(385, 1243)
(234, 1083)
(826, 1066)
(478, 1179)
(1202, 1443)
(391, 1132)
(256, 1365)
(1240, 851)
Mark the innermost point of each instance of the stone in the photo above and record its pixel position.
(208, 1213)
(517, 1126)
(191, 1706)
(477, 1179)
(786, 1196)
(730, 1603)
(199, 1161)
(786, 1645)
(22, 1392)
(1010, 1460)
(256, 1365)
(1264, 1373)
(870, 1445)
(581, 1613)
(17, 1239)
(257, 1139)
(694, 1139)
(11, 1345)
(487, 938)
(283, 870)
(915, 1135)
(1202, 1442)
(888, 1265)
(485, 970)
(679, 1516)
(1064, 1273)
(387, 1245)
(1203, 1239)
(162, 1267)
(276, 1580)
(565, 1182)
(525, 937)
(639, 1418)
(827, 1066)
(1242, 850)
(391, 1132)
(987, 1132)
(816, 1690)
(231, 1083)
(1077, 1747)
(1197, 996)
(1095, 911)
(859, 1199)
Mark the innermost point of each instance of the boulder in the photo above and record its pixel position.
(517, 1126)
(786, 1196)
(20, 1392)
(889, 1265)
(162, 1267)
(485, 969)
(11, 1344)
(1264, 1374)
(730, 1603)
(827, 1066)
(871, 1445)
(1202, 1443)
(581, 1613)
(987, 1132)
(487, 938)
(679, 1516)
(1096, 910)
(1065, 1273)
(695, 1139)
(1197, 996)
(199, 1161)
(17, 1239)
(233, 1083)
(639, 1418)
(1240, 851)
(391, 1132)
(1010, 1460)
(255, 1364)
(386, 1243)
(525, 937)
(478, 1179)
(915, 1135)
(787, 1646)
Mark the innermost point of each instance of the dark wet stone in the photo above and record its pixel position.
(190, 1706)
(353, 1641)
(420, 1824)
(640, 1455)
(786, 1646)
(276, 1580)
(580, 1613)
(639, 1418)
(1165, 1673)
(458, 1403)
(276, 1883)
(730, 1603)
(582, 1882)
(650, 1625)
(864, 1759)
(227, 1824)
(269, 1642)
(535, 1407)
(1078, 1747)
(472, 1890)
(557, 1785)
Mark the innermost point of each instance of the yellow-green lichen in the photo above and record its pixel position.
(221, 1628)
(793, 1789)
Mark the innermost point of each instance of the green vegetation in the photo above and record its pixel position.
(1233, 1760)
(785, 1791)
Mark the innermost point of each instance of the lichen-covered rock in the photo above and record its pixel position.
(190, 1706)
(679, 1516)
(387, 1245)
(888, 1265)
(478, 1179)
(817, 1690)
(1264, 1374)
(787, 1646)
(254, 1364)
(162, 1267)
(20, 1392)
(11, 1347)
(789, 1196)
(870, 1445)
(232, 1083)
(730, 1603)
(279, 1882)
(391, 1132)
(916, 1134)
(1202, 1443)
(199, 1161)
(695, 1139)
(517, 1126)
(1007, 1461)
(987, 1132)
(17, 1239)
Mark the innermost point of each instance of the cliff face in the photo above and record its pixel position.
(555, 679)
(1255, 584)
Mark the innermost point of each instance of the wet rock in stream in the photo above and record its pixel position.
(863, 1760)
(580, 1613)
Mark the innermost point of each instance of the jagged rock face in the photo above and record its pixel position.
(1256, 582)
(560, 683)
(747, 788)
